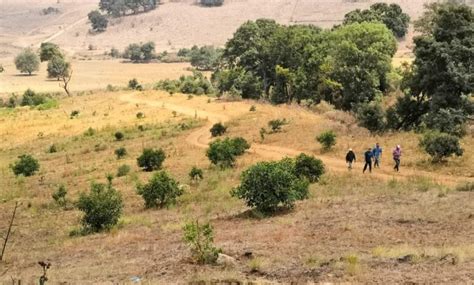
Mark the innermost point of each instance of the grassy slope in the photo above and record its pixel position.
(353, 227)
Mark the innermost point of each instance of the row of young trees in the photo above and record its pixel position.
(117, 8)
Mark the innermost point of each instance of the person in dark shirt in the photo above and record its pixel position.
(350, 158)
(368, 160)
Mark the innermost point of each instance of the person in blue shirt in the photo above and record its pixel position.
(377, 154)
(368, 160)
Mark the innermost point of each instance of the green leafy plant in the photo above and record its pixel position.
(140, 115)
(120, 152)
(160, 191)
(123, 170)
(59, 196)
(151, 159)
(26, 165)
(119, 136)
(308, 167)
(74, 114)
(196, 174)
(52, 148)
(200, 239)
(102, 207)
(276, 125)
(223, 152)
(440, 146)
(327, 139)
(218, 129)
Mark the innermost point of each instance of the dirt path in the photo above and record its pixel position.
(201, 138)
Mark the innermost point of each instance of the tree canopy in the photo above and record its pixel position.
(98, 21)
(27, 61)
(119, 8)
(391, 15)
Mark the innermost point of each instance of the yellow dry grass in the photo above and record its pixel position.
(89, 75)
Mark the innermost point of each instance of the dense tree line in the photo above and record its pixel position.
(119, 8)
(390, 15)
(438, 85)
(347, 66)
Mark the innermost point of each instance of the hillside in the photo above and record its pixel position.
(175, 24)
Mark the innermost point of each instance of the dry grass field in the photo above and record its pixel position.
(353, 228)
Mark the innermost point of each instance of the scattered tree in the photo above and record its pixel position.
(58, 67)
(441, 146)
(218, 129)
(210, 3)
(161, 191)
(102, 207)
(49, 50)
(223, 152)
(151, 159)
(98, 21)
(27, 61)
(26, 165)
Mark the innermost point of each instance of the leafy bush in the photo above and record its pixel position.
(218, 129)
(440, 145)
(98, 21)
(268, 185)
(74, 114)
(161, 191)
(253, 108)
(223, 152)
(123, 170)
(134, 84)
(371, 116)
(196, 84)
(212, 2)
(102, 207)
(119, 136)
(465, 187)
(140, 115)
(151, 159)
(52, 148)
(308, 167)
(120, 152)
(205, 58)
(59, 196)
(140, 52)
(327, 139)
(196, 174)
(26, 165)
(447, 120)
(30, 98)
(200, 239)
(89, 132)
(276, 125)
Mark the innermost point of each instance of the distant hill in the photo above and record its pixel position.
(173, 25)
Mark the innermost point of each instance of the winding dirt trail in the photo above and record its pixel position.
(201, 138)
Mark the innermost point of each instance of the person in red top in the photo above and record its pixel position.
(397, 153)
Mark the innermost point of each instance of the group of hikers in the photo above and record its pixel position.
(374, 155)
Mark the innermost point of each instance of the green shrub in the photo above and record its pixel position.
(200, 239)
(223, 152)
(30, 98)
(119, 136)
(371, 116)
(212, 2)
(60, 196)
(140, 115)
(102, 207)
(308, 167)
(276, 125)
(218, 129)
(52, 148)
(440, 146)
(327, 139)
(196, 174)
(465, 187)
(89, 132)
(161, 191)
(74, 114)
(120, 152)
(26, 165)
(134, 85)
(151, 159)
(196, 84)
(123, 170)
(253, 108)
(268, 185)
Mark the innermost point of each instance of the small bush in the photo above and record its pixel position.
(151, 159)
(161, 191)
(26, 165)
(89, 132)
(200, 239)
(253, 108)
(308, 167)
(440, 146)
(466, 187)
(140, 115)
(196, 174)
(276, 125)
(120, 152)
(372, 117)
(123, 170)
(52, 148)
(218, 129)
(134, 84)
(30, 98)
(119, 136)
(74, 114)
(327, 139)
(268, 185)
(60, 196)
(223, 152)
(102, 207)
